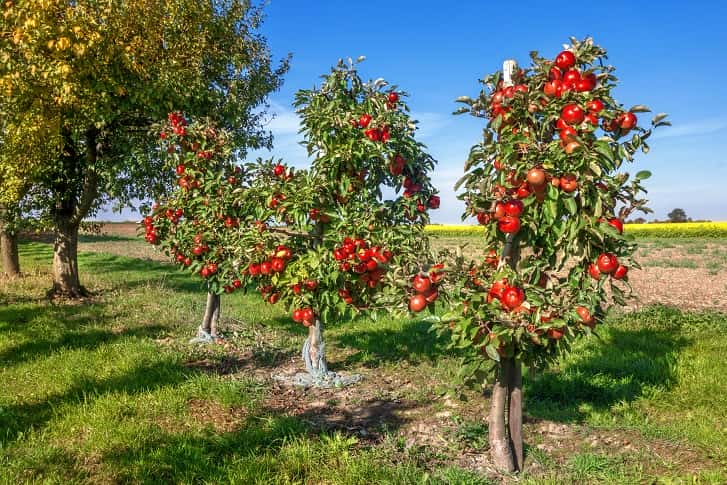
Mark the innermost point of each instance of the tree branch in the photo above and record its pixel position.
(89, 192)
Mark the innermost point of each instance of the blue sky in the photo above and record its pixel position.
(668, 55)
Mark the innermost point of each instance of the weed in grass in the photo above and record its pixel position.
(672, 263)
(714, 267)
(471, 433)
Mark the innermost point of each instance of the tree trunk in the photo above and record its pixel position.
(515, 413)
(314, 353)
(500, 449)
(211, 314)
(9, 259)
(65, 259)
(506, 417)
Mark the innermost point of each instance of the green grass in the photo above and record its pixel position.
(108, 391)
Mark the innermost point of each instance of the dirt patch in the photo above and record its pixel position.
(688, 289)
(210, 413)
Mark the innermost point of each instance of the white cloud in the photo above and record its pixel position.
(692, 128)
(282, 121)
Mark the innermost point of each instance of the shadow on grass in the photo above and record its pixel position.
(268, 447)
(413, 343)
(639, 353)
(191, 458)
(43, 329)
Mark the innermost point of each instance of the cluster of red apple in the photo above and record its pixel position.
(507, 214)
(282, 172)
(355, 255)
(564, 76)
(173, 215)
(426, 290)
(178, 122)
(273, 264)
(374, 134)
(306, 316)
(316, 215)
(276, 200)
(499, 96)
(607, 263)
(411, 187)
(186, 182)
(151, 232)
(511, 297)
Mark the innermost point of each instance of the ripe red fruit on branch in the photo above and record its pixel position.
(513, 208)
(536, 177)
(513, 297)
(373, 134)
(570, 78)
(279, 170)
(568, 183)
(277, 264)
(364, 120)
(565, 60)
(553, 88)
(626, 121)
(595, 106)
(617, 224)
(620, 272)
(307, 316)
(417, 303)
(393, 97)
(434, 202)
(573, 114)
(421, 284)
(567, 135)
(509, 224)
(586, 83)
(607, 263)
(180, 169)
(483, 218)
(396, 167)
(594, 271)
(586, 317)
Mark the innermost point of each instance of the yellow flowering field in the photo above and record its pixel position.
(672, 230)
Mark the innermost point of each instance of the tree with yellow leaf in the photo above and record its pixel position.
(101, 72)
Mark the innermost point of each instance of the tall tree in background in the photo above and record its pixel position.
(102, 71)
(677, 215)
(22, 149)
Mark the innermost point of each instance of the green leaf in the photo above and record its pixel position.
(492, 353)
(642, 175)
(640, 108)
(570, 204)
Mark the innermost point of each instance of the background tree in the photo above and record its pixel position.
(677, 215)
(548, 185)
(101, 72)
(22, 151)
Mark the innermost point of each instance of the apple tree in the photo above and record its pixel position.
(210, 221)
(354, 219)
(548, 182)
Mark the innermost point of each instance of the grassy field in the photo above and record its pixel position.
(109, 391)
